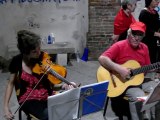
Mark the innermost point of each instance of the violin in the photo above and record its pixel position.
(55, 73)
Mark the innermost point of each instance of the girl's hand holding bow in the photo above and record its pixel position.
(8, 114)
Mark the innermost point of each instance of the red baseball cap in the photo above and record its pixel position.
(139, 26)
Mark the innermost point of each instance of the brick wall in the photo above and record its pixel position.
(101, 16)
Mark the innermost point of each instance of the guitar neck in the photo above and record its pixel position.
(145, 68)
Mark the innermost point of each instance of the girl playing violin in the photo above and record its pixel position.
(31, 96)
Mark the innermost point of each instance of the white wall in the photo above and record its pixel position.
(158, 9)
(140, 6)
(67, 19)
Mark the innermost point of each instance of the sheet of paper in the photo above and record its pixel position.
(64, 106)
(152, 99)
(142, 98)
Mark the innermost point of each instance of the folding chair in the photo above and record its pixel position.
(118, 103)
(101, 78)
(29, 116)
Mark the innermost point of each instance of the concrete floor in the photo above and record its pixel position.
(79, 72)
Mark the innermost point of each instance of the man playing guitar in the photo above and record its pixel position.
(119, 53)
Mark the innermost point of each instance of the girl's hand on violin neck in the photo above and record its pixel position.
(67, 87)
(8, 114)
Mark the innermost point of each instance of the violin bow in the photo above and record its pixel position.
(30, 93)
(58, 76)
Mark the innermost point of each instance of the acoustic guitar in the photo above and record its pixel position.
(117, 85)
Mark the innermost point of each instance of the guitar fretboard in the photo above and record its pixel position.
(145, 68)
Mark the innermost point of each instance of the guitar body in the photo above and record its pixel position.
(117, 85)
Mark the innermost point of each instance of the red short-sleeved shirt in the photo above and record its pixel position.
(122, 22)
(26, 82)
(122, 51)
(39, 93)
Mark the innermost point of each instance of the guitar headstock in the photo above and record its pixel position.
(157, 64)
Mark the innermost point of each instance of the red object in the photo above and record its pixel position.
(138, 26)
(120, 52)
(122, 22)
(40, 93)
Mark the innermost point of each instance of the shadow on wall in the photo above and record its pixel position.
(4, 64)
